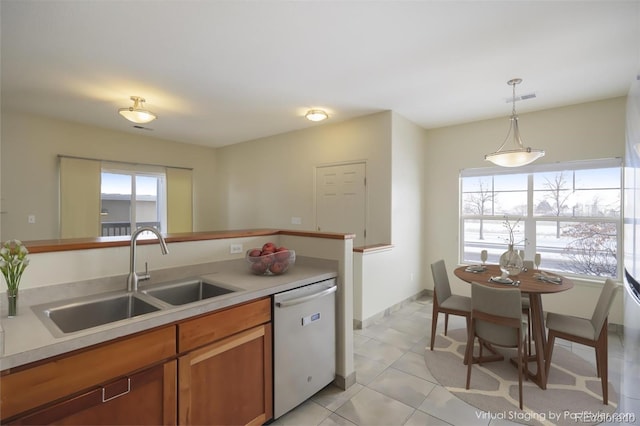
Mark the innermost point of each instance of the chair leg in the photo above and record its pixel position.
(469, 355)
(434, 324)
(547, 357)
(598, 365)
(446, 323)
(602, 355)
(520, 366)
(529, 330)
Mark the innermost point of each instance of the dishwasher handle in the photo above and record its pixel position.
(298, 300)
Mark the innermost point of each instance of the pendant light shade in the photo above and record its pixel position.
(137, 113)
(519, 155)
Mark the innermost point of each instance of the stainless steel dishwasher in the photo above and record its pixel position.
(304, 343)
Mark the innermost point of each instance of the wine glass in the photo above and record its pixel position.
(537, 259)
(484, 255)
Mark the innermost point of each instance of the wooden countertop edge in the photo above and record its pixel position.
(46, 246)
(372, 248)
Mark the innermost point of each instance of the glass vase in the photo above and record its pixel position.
(12, 302)
(510, 262)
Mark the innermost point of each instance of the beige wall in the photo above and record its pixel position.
(407, 210)
(30, 146)
(387, 277)
(263, 183)
(266, 182)
(579, 132)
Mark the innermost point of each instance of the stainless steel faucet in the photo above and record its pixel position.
(133, 278)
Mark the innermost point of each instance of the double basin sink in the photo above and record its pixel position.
(65, 317)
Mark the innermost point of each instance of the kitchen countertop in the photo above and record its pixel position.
(27, 339)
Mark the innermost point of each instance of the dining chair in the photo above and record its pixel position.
(590, 332)
(444, 301)
(496, 319)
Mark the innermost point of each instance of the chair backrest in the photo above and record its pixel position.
(504, 305)
(601, 311)
(441, 284)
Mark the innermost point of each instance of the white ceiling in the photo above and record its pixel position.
(222, 72)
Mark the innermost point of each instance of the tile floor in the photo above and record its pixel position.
(394, 386)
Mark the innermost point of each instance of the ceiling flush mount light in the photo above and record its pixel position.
(316, 115)
(519, 156)
(137, 113)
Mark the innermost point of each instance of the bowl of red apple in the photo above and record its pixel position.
(270, 259)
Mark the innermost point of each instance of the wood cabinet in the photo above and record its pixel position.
(213, 369)
(144, 398)
(74, 382)
(229, 379)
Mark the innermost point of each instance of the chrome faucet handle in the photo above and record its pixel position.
(146, 275)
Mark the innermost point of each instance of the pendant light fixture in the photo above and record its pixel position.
(519, 156)
(137, 113)
(316, 115)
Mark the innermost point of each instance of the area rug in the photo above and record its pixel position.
(573, 394)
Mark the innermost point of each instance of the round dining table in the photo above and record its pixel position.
(530, 283)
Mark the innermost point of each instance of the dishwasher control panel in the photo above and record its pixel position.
(310, 318)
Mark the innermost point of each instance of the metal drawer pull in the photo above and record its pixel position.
(104, 399)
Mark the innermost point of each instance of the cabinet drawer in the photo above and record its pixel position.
(66, 375)
(220, 324)
(144, 398)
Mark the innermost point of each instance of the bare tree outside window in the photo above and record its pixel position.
(478, 202)
(593, 249)
(557, 198)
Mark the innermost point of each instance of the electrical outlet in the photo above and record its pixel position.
(31, 218)
(296, 220)
(235, 248)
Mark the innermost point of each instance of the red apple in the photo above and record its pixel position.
(278, 267)
(282, 253)
(259, 268)
(254, 253)
(269, 246)
(266, 260)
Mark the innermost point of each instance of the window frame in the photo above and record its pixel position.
(135, 171)
(530, 221)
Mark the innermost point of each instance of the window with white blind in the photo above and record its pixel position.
(569, 213)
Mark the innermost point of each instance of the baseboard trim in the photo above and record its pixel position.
(359, 325)
(345, 383)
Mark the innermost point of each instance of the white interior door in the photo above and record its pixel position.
(341, 202)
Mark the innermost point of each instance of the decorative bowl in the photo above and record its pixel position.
(271, 264)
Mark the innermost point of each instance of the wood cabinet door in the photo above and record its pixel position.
(144, 398)
(228, 382)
